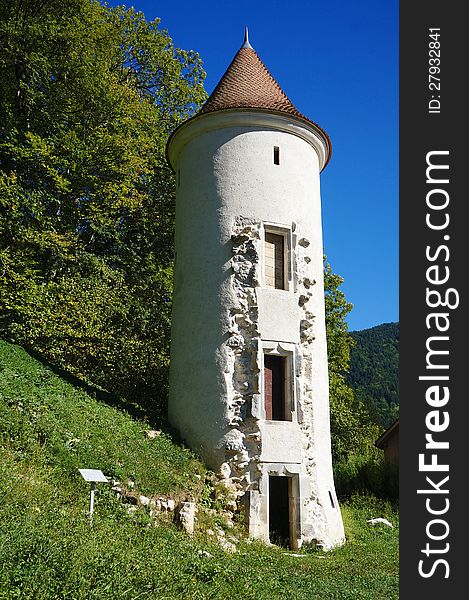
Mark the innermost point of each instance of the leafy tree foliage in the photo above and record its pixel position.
(339, 342)
(352, 430)
(88, 96)
(358, 465)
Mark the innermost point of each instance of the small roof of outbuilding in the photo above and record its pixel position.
(384, 437)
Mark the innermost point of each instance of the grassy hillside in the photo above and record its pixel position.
(48, 551)
(374, 370)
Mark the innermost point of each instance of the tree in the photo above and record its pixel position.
(339, 342)
(352, 431)
(88, 97)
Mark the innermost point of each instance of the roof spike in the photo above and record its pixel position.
(246, 39)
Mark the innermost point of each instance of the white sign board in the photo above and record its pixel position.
(93, 475)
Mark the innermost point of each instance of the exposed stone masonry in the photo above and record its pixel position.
(242, 373)
(304, 375)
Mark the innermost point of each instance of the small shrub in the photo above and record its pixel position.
(367, 474)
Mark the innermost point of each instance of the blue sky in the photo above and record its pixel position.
(338, 64)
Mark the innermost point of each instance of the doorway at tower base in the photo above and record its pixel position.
(284, 511)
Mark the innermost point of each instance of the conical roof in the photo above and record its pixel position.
(247, 83)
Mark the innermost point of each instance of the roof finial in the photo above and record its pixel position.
(246, 39)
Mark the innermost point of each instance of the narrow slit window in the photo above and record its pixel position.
(274, 256)
(276, 155)
(331, 498)
(274, 387)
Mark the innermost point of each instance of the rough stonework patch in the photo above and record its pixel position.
(186, 516)
(242, 442)
(243, 470)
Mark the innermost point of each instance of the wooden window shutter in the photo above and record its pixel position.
(267, 389)
(274, 257)
(274, 387)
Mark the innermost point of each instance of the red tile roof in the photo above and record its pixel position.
(247, 83)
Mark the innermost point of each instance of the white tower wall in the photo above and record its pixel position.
(224, 317)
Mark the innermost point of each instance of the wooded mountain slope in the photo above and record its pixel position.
(374, 370)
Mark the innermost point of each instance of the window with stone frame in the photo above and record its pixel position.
(278, 386)
(277, 270)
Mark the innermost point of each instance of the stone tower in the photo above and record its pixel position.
(249, 380)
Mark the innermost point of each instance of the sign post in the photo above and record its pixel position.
(92, 476)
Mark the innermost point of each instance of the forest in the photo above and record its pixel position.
(374, 370)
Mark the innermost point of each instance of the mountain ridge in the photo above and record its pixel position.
(374, 370)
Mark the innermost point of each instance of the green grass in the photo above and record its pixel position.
(48, 551)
